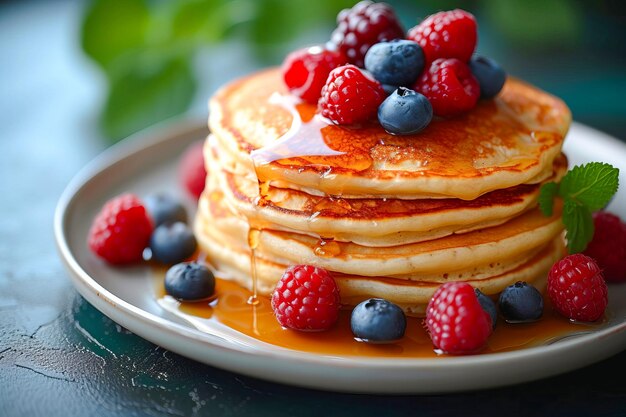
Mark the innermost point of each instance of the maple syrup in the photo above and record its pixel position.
(303, 139)
(253, 243)
(230, 310)
(327, 248)
(313, 142)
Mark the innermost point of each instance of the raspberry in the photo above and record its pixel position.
(447, 34)
(305, 71)
(449, 86)
(608, 246)
(121, 230)
(577, 289)
(350, 96)
(306, 298)
(365, 24)
(192, 171)
(456, 321)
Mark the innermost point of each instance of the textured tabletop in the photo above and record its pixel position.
(59, 356)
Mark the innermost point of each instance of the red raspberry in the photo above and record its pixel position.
(350, 96)
(306, 298)
(121, 230)
(305, 71)
(577, 289)
(608, 246)
(365, 24)
(192, 171)
(448, 34)
(456, 321)
(449, 86)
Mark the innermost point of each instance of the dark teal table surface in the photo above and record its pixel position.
(59, 356)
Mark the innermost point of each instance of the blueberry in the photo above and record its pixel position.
(405, 112)
(488, 305)
(378, 321)
(489, 74)
(171, 243)
(521, 302)
(189, 281)
(164, 208)
(398, 62)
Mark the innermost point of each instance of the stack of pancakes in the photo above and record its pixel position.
(389, 216)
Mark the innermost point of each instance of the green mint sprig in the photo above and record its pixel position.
(584, 189)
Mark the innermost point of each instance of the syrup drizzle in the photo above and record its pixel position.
(327, 248)
(253, 243)
(315, 144)
(304, 138)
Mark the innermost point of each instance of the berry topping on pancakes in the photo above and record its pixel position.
(364, 25)
(350, 96)
(450, 87)
(434, 59)
(446, 34)
(305, 71)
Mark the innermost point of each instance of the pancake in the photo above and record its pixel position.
(388, 216)
(510, 140)
(370, 222)
(464, 256)
(234, 264)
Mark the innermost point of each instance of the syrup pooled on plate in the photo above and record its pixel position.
(231, 315)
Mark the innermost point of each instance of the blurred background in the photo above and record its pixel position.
(113, 67)
(76, 76)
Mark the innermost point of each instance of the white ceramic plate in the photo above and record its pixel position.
(148, 163)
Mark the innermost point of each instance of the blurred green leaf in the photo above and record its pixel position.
(536, 23)
(111, 28)
(277, 22)
(201, 21)
(147, 91)
(146, 47)
(431, 6)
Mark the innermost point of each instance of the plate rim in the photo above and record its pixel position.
(96, 294)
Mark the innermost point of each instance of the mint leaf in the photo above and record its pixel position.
(547, 193)
(578, 222)
(591, 185)
(584, 190)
